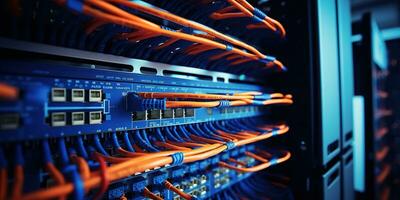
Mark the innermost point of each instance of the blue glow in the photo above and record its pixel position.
(356, 38)
(391, 34)
(359, 143)
(379, 47)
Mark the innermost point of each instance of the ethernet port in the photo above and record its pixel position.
(203, 190)
(178, 112)
(154, 114)
(78, 118)
(159, 195)
(189, 112)
(203, 179)
(196, 193)
(217, 184)
(168, 113)
(58, 95)
(139, 115)
(177, 197)
(58, 119)
(178, 187)
(9, 121)
(95, 117)
(194, 182)
(95, 96)
(78, 95)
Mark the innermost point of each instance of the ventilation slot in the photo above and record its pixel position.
(148, 71)
(333, 177)
(219, 79)
(348, 159)
(65, 60)
(186, 75)
(333, 146)
(244, 81)
(348, 136)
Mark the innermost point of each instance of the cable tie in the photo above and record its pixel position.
(275, 131)
(167, 28)
(187, 30)
(230, 145)
(75, 5)
(73, 175)
(257, 12)
(257, 102)
(256, 19)
(177, 158)
(223, 104)
(263, 96)
(228, 47)
(270, 58)
(273, 161)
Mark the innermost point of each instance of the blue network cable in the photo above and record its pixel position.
(81, 147)
(98, 145)
(128, 143)
(63, 151)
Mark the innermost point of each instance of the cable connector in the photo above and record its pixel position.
(136, 103)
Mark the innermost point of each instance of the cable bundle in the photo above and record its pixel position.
(237, 17)
(136, 29)
(146, 100)
(79, 165)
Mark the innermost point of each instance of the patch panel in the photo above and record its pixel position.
(113, 106)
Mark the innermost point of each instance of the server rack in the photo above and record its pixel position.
(370, 74)
(323, 137)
